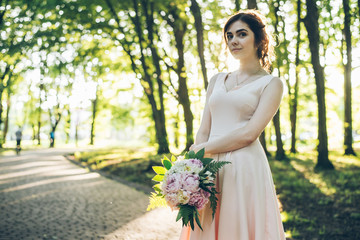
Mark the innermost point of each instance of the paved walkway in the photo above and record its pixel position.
(44, 196)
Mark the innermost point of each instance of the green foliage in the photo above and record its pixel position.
(159, 170)
(318, 203)
(156, 201)
(167, 164)
(214, 166)
(311, 203)
(158, 178)
(189, 214)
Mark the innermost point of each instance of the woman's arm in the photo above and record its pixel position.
(205, 125)
(242, 137)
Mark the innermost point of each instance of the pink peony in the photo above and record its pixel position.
(205, 193)
(172, 199)
(196, 162)
(191, 183)
(173, 183)
(198, 200)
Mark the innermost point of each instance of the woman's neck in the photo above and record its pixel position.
(250, 67)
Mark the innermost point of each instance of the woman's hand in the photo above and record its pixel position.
(197, 147)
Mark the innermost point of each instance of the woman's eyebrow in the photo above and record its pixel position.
(239, 30)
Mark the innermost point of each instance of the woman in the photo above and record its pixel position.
(238, 107)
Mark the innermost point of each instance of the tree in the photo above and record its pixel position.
(280, 153)
(294, 94)
(252, 4)
(195, 9)
(237, 5)
(311, 22)
(348, 138)
(141, 63)
(9, 90)
(178, 24)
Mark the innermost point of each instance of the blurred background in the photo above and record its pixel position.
(120, 72)
(129, 78)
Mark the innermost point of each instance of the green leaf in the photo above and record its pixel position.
(206, 161)
(214, 167)
(179, 216)
(158, 178)
(186, 156)
(192, 223)
(167, 164)
(159, 170)
(213, 204)
(156, 201)
(204, 187)
(196, 214)
(157, 189)
(173, 158)
(200, 154)
(187, 214)
(192, 154)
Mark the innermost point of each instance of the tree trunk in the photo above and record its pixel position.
(280, 153)
(77, 131)
(195, 9)
(263, 143)
(67, 126)
(179, 32)
(2, 87)
(348, 138)
(1, 110)
(39, 113)
(158, 114)
(252, 4)
(33, 132)
(237, 5)
(6, 124)
(94, 112)
(312, 27)
(156, 61)
(294, 101)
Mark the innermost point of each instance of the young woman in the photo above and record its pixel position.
(238, 107)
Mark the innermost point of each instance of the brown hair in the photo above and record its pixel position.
(263, 39)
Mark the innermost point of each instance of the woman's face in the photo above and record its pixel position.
(241, 40)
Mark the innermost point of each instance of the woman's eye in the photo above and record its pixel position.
(229, 36)
(242, 34)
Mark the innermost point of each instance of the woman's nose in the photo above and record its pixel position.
(234, 41)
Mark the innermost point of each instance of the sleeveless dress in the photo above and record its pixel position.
(247, 207)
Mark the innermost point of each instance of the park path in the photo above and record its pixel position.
(45, 196)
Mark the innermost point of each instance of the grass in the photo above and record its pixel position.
(314, 205)
(130, 164)
(319, 205)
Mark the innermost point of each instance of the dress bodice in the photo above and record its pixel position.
(234, 108)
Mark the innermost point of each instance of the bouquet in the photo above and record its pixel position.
(186, 184)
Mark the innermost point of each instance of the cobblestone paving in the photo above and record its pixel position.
(44, 196)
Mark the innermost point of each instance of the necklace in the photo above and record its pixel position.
(241, 83)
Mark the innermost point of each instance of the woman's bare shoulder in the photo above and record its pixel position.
(213, 80)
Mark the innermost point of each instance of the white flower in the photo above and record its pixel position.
(208, 177)
(183, 197)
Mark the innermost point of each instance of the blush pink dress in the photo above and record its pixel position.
(247, 207)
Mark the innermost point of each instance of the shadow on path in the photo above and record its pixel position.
(44, 196)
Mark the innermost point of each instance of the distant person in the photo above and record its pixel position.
(52, 137)
(18, 135)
